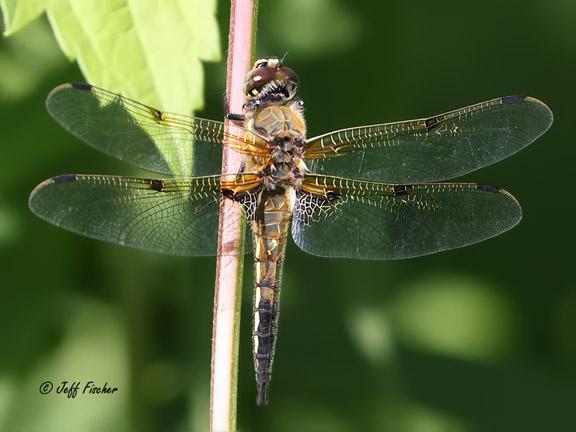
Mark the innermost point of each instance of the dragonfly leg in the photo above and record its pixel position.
(235, 117)
(231, 116)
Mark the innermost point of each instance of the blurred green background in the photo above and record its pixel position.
(476, 339)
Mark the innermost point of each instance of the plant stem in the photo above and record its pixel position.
(228, 288)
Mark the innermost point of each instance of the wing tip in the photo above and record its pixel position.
(545, 108)
(545, 115)
(531, 100)
(34, 193)
(51, 99)
(57, 90)
(490, 188)
(66, 86)
(65, 178)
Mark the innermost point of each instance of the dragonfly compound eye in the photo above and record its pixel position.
(257, 79)
(263, 81)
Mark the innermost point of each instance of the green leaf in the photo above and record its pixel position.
(148, 50)
(18, 13)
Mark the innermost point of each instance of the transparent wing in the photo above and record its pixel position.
(337, 217)
(166, 216)
(431, 149)
(161, 142)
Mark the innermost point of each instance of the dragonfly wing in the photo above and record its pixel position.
(431, 149)
(176, 217)
(157, 141)
(337, 217)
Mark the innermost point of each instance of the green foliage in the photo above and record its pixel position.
(18, 13)
(142, 49)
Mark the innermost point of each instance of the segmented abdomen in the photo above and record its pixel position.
(270, 230)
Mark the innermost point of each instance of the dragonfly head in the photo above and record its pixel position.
(270, 81)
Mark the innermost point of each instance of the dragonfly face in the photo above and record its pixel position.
(368, 192)
(269, 78)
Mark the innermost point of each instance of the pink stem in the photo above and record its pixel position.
(228, 288)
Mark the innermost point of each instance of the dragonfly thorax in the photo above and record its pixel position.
(284, 129)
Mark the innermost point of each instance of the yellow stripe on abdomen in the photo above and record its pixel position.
(270, 230)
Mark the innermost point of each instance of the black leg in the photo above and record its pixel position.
(235, 117)
(231, 116)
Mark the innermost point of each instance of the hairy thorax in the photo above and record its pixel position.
(284, 128)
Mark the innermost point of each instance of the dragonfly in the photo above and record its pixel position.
(370, 192)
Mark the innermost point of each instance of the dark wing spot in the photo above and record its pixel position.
(513, 99)
(402, 189)
(158, 115)
(488, 187)
(333, 195)
(66, 178)
(157, 185)
(81, 86)
(431, 122)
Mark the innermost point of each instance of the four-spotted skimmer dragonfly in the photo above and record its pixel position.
(368, 192)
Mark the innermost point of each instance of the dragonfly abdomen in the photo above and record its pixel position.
(270, 229)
